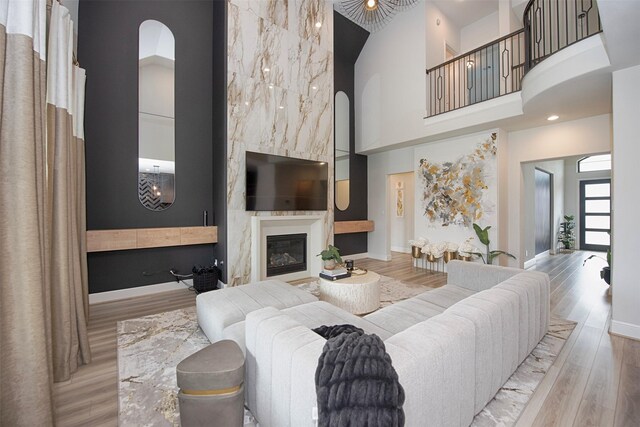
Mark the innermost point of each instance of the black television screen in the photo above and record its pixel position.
(277, 183)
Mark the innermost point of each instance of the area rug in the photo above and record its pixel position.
(150, 347)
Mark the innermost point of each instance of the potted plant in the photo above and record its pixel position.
(483, 235)
(331, 257)
(566, 235)
(417, 245)
(605, 273)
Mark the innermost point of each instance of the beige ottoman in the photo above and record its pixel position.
(355, 294)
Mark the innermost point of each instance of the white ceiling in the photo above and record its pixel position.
(465, 12)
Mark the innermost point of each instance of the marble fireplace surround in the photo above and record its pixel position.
(263, 226)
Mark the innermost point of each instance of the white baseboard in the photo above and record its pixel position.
(380, 257)
(136, 292)
(543, 254)
(356, 256)
(624, 329)
(530, 263)
(401, 249)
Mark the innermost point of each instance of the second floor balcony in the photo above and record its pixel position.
(497, 68)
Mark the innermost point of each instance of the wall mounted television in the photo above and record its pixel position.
(277, 183)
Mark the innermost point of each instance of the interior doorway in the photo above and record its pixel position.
(401, 209)
(543, 210)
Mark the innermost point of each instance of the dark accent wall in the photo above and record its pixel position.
(348, 41)
(108, 50)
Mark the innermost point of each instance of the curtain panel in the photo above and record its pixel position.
(43, 289)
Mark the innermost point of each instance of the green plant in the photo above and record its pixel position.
(483, 236)
(566, 235)
(605, 273)
(331, 253)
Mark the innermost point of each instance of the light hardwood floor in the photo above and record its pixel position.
(595, 381)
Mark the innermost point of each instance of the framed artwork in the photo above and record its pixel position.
(399, 202)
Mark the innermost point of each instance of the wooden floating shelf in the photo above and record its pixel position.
(140, 238)
(346, 227)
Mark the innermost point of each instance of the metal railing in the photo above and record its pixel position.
(487, 72)
(497, 68)
(552, 25)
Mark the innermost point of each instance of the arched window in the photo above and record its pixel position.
(601, 162)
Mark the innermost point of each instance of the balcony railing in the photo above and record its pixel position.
(487, 72)
(497, 68)
(552, 25)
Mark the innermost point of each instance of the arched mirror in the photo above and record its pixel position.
(156, 116)
(342, 150)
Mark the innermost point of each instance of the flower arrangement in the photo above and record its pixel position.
(419, 243)
(452, 247)
(435, 249)
(466, 249)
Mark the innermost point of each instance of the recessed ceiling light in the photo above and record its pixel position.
(270, 86)
(314, 87)
(246, 103)
(267, 69)
(318, 24)
(553, 117)
(281, 107)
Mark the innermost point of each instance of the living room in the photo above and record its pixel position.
(263, 77)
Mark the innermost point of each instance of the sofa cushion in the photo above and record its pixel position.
(435, 361)
(476, 276)
(312, 315)
(397, 317)
(217, 310)
(446, 295)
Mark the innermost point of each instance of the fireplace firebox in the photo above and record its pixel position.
(286, 253)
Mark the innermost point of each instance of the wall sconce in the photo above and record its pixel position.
(470, 63)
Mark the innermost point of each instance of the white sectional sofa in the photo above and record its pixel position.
(452, 347)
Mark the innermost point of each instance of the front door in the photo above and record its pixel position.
(595, 215)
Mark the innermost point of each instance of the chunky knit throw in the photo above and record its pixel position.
(355, 381)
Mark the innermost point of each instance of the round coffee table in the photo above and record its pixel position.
(355, 294)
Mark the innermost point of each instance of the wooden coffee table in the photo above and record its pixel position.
(355, 294)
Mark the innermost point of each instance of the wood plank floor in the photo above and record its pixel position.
(595, 381)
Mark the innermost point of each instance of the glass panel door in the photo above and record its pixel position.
(595, 214)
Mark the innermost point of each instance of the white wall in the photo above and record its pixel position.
(437, 35)
(577, 137)
(390, 82)
(480, 32)
(572, 189)
(401, 228)
(379, 166)
(625, 318)
(556, 168)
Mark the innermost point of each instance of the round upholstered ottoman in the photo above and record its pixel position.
(211, 386)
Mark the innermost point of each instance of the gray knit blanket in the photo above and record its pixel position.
(356, 384)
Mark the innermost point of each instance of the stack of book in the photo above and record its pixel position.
(336, 274)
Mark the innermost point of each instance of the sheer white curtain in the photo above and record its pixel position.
(43, 288)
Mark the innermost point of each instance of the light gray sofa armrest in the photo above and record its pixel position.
(476, 276)
(282, 356)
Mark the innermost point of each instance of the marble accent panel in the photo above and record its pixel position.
(280, 101)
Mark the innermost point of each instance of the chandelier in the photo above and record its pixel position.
(372, 15)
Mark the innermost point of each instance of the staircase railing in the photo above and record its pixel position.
(487, 72)
(552, 25)
(497, 68)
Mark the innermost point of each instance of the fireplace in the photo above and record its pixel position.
(286, 253)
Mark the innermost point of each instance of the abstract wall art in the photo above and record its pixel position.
(454, 192)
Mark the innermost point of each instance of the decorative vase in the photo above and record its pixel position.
(330, 264)
(416, 252)
(431, 258)
(464, 257)
(448, 256)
